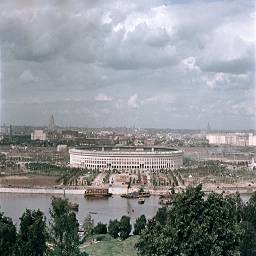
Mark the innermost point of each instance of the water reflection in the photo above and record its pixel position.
(13, 205)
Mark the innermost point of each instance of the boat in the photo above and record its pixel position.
(74, 206)
(144, 194)
(167, 198)
(97, 193)
(141, 200)
(93, 212)
(128, 195)
(166, 202)
(134, 195)
(166, 195)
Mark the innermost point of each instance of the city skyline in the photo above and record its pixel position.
(115, 64)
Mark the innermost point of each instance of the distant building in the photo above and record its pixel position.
(236, 139)
(126, 158)
(69, 134)
(149, 142)
(38, 135)
(61, 148)
(4, 130)
(51, 125)
(208, 128)
(252, 139)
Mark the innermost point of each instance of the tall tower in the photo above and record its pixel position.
(51, 125)
(208, 128)
(10, 133)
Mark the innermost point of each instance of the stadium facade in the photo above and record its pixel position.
(126, 158)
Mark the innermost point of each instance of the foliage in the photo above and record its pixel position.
(194, 226)
(139, 225)
(88, 226)
(32, 234)
(114, 228)
(125, 227)
(7, 236)
(161, 215)
(68, 175)
(100, 228)
(248, 244)
(64, 229)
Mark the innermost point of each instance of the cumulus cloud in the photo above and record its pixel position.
(27, 77)
(184, 61)
(102, 97)
(133, 101)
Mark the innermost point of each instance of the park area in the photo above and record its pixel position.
(112, 247)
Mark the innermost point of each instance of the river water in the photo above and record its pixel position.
(13, 205)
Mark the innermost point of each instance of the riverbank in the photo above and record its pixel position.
(121, 190)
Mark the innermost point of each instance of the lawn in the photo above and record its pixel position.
(113, 247)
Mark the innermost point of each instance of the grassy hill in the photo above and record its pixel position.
(112, 247)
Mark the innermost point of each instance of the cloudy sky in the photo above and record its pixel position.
(148, 63)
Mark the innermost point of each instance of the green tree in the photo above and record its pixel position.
(248, 244)
(32, 234)
(139, 225)
(64, 229)
(114, 228)
(100, 228)
(194, 226)
(161, 215)
(7, 236)
(88, 226)
(125, 227)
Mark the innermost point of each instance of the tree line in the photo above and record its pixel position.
(196, 225)
(61, 236)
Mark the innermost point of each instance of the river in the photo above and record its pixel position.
(13, 205)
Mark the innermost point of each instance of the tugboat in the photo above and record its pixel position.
(144, 194)
(167, 198)
(166, 202)
(136, 194)
(141, 200)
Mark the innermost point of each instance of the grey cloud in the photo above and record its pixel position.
(236, 66)
(74, 56)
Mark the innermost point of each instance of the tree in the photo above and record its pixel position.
(194, 226)
(64, 229)
(88, 226)
(100, 228)
(7, 236)
(114, 228)
(139, 225)
(125, 227)
(248, 243)
(32, 234)
(161, 215)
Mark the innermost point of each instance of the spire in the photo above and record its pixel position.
(51, 125)
(208, 128)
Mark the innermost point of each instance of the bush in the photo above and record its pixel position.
(114, 228)
(100, 228)
(139, 225)
(125, 227)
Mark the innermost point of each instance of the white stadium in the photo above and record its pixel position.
(126, 158)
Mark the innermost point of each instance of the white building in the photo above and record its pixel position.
(252, 139)
(38, 135)
(62, 148)
(237, 139)
(126, 158)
